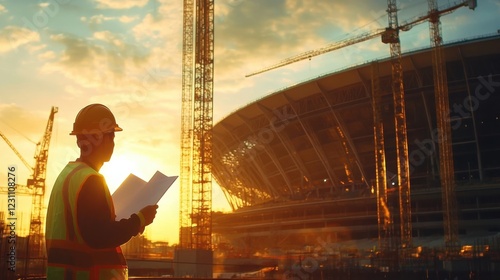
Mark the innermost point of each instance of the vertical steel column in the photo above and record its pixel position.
(383, 212)
(196, 127)
(201, 208)
(392, 37)
(186, 126)
(446, 170)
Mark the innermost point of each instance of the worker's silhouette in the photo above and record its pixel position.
(82, 237)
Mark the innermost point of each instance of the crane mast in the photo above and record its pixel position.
(186, 126)
(201, 208)
(37, 184)
(391, 37)
(197, 122)
(193, 257)
(446, 167)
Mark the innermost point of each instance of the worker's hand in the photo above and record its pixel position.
(149, 214)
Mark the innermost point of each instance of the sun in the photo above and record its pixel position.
(117, 169)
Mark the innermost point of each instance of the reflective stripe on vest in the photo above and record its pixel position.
(68, 255)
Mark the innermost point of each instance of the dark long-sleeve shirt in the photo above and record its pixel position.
(97, 226)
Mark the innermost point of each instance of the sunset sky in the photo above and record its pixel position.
(127, 54)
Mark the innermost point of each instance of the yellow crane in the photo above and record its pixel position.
(195, 209)
(36, 186)
(390, 35)
(196, 126)
(365, 36)
(195, 214)
(186, 126)
(446, 168)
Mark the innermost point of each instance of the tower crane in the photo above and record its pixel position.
(195, 215)
(197, 117)
(450, 212)
(36, 186)
(365, 36)
(186, 125)
(390, 35)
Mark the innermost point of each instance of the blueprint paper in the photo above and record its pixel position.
(126, 193)
(134, 193)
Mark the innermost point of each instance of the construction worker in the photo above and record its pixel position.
(82, 237)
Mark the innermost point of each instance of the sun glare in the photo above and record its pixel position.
(117, 169)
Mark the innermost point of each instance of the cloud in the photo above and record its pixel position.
(12, 37)
(43, 5)
(72, 91)
(96, 21)
(127, 19)
(251, 35)
(93, 21)
(163, 26)
(2, 9)
(103, 61)
(26, 123)
(110, 38)
(150, 28)
(120, 4)
(47, 55)
(262, 32)
(123, 61)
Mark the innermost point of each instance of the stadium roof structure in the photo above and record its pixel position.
(315, 139)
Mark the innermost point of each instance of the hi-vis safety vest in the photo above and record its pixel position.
(69, 257)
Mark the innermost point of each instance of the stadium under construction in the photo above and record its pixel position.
(298, 168)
